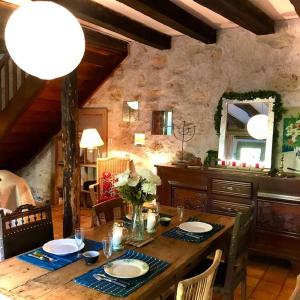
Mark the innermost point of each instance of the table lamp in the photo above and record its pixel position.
(91, 140)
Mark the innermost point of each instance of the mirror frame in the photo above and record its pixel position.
(278, 111)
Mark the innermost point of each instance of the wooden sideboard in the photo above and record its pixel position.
(276, 200)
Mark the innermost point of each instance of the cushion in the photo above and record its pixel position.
(107, 189)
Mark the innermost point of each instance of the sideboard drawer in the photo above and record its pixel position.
(232, 188)
(227, 208)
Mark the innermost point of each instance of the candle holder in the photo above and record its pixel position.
(119, 235)
(152, 221)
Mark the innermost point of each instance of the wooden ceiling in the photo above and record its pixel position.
(155, 22)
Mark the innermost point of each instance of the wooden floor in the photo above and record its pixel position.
(268, 279)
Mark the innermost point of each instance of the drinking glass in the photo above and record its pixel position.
(79, 237)
(107, 246)
(180, 212)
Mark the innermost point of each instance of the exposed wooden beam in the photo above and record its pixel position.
(243, 13)
(170, 14)
(236, 122)
(96, 39)
(97, 14)
(71, 172)
(248, 108)
(296, 4)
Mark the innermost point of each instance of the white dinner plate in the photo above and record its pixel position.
(62, 246)
(195, 227)
(126, 268)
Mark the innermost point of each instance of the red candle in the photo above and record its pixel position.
(243, 165)
(234, 163)
(223, 163)
(257, 165)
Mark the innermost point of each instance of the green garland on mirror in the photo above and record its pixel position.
(277, 108)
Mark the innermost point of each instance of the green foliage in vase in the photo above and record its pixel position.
(211, 158)
(138, 187)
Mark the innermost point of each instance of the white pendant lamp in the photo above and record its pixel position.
(257, 127)
(44, 39)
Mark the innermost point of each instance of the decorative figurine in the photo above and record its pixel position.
(184, 134)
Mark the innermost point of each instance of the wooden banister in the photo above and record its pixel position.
(11, 79)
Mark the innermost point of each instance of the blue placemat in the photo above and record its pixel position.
(59, 261)
(156, 267)
(177, 233)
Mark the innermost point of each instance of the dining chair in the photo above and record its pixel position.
(233, 271)
(108, 211)
(111, 166)
(296, 292)
(26, 228)
(199, 287)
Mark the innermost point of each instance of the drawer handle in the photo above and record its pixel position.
(230, 188)
(229, 209)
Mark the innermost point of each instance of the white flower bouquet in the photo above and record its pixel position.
(138, 187)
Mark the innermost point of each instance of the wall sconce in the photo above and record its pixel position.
(130, 111)
(139, 139)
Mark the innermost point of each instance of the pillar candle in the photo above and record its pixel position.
(151, 221)
(117, 237)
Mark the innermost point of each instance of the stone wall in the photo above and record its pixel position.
(189, 79)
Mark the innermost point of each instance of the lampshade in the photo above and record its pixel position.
(44, 39)
(91, 139)
(139, 139)
(257, 127)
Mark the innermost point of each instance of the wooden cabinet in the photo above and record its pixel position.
(278, 216)
(188, 197)
(276, 203)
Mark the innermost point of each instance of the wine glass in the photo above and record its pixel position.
(107, 246)
(180, 212)
(79, 237)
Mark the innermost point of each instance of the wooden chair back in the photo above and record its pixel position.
(28, 227)
(296, 293)
(107, 211)
(238, 250)
(114, 165)
(199, 287)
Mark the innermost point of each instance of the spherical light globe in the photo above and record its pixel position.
(257, 127)
(44, 39)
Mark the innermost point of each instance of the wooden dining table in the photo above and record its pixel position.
(21, 280)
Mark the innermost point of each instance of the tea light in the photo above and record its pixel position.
(151, 222)
(117, 238)
(234, 164)
(243, 165)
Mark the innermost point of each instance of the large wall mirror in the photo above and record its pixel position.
(246, 128)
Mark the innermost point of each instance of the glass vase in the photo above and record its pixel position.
(137, 223)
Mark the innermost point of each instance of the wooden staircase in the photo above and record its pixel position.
(30, 110)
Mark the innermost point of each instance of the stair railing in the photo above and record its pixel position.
(11, 79)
